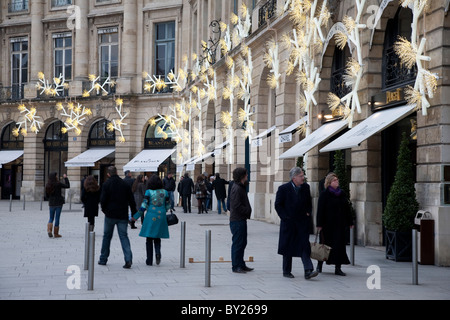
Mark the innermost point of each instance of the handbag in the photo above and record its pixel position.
(319, 252)
(171, 218)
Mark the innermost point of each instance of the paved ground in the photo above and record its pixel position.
(33, 266)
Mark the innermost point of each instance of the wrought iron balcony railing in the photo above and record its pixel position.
(17, 6)
(267, 11)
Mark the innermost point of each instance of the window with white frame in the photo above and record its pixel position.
(109, 53)
(19, 65)
(63, 55)
(164, 48)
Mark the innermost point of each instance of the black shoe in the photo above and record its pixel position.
(127, 265)
(288, 275)
(102, 263)
(247, 269)
(158, 259)
(319, 266)
(239, 270)
(339, 272)
(311, 274)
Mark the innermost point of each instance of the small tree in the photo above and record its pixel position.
(402, 205)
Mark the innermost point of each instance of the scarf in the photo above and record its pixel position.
(337, 192)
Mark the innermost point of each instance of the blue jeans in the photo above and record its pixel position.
(221, 203)
(55, 213)
(122, 226)
(172, 203)
(239, 239)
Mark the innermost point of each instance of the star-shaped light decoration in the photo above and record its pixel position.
(74, 115)
(30, 120)
(97, 86)
(55, 88)
(116, 124)
(272, 60)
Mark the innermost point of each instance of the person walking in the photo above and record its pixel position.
(186, 189)
(200, 194)
(221, 194)
(180, 197)
(333, 218)
(169, 186)
(209, 191)
(55, 202)
(240, 211)
(115, 199)
(157, 203)
(128, 179)
(90, 197)
(294, 205)
(138, 189)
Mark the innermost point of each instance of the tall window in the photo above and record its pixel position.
(100, 136)
(165, 48)
(109, 53)
(63, 55)
(61, 3)
(19, 66)
(55, 150)
(18, 5)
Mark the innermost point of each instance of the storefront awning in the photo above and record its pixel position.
(89, 157)
(286, 134)
(372, 125)
(257, 141)
(148, 160)
(323, 133)
(7, 156)
(218, 148)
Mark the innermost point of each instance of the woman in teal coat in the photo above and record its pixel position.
(157, 203)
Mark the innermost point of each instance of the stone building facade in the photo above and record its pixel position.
(123, 38)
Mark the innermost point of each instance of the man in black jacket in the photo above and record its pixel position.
(219, 186)
(186, 190)
(115, 199)
(169, 186)
(240, 211)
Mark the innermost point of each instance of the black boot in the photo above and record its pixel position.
(149, 247)
(319, 266)
(158, 251)
(338, 271)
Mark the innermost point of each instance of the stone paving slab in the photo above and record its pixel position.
(34, 267)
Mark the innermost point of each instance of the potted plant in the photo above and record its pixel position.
(401, 207)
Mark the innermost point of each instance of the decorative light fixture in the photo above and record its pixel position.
(28, 117)
(97, 86)
(56, 88)
(116, 124)
(74, 116)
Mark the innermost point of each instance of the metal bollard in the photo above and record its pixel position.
(183, 244)
(352, 246)
(208, 258)
(91, 260)
(415, 265)
(10, 202)
(24, 201)
(86, 247)
(42, 199)
(70, 201)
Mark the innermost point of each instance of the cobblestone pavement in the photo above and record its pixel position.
(34, 266)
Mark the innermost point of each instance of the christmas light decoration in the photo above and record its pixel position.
(116, 124)
(30, 120)
(97, 86)
(74, 116)
(56, 88)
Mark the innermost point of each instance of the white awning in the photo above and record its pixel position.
(148, 160)
(372, 125)
(89, 157)
(323, 133)
(218, 148)
(286, 134)
(204, 157)
(257, 141)
(7, 156)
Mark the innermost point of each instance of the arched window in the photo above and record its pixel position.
(394, 74)
(100, 136)
(340, 59)
(9, 141)
(55, 150)
(155, 137)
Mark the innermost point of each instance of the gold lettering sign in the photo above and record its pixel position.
(394, 96)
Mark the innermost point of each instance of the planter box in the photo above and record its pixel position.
(399, 246)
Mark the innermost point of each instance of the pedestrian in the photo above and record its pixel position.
(187, 189)
(169, 186)
(157, 203)
(55, 201)
(221, 194)
(230, 186)
(200, 194)
(333, 218)
(139, 187)
(180, 197)
(128, 179)
(293, 204)
(240, 211)
(116, 197)
(90, 197)
(209, 191)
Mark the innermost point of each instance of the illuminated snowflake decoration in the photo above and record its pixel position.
(30, 121)
(54, 88)
(116, 124)
(97, 86)
(74, 116)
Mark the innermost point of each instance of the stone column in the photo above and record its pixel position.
(36, 47)
(81, 49)
(128, 48)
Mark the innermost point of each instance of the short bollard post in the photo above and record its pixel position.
(415, 265)
(10, 202)
(86, 247)
(42, 199)
(183, 244)
(24, 201)
(352, 246)
(91, 260)
(208, 258)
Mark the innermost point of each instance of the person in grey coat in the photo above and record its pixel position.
(294, 206)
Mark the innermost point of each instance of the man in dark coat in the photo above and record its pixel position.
(186, 190)
(294, 206)
(130, 181)
(221, 193)
(169, 186)
(115, 199)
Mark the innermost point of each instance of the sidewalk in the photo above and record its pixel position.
(33, 266)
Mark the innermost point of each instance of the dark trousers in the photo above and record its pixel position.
(306, 259)
(239, 239)
(186, 203)
(149, 247)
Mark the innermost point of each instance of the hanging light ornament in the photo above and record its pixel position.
(30, 120)
(74, 116)
(56, 88)
(97, 86)
(116, 124)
